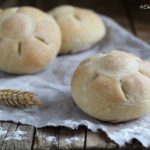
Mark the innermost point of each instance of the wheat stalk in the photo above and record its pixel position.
(18, 98)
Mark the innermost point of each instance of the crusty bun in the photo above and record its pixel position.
(81, 28)
(29, 40)
(113, 87)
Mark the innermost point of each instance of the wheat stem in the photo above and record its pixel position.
(18, 98)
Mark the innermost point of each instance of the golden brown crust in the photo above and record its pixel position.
(29, 40)
(81, 28)
(110, 89)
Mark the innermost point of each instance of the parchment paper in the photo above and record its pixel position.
(53, 88)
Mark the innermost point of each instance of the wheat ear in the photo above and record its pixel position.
(18, 98)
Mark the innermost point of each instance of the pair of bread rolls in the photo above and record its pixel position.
(113, 87)
(30, 39)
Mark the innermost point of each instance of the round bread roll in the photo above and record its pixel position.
(114, 87)
(81, 28)
(29, 40)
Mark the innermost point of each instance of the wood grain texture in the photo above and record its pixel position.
(46, 138)
(7, 140)
(99, 140)
(17, 137)
(4, 126)
(72, 139)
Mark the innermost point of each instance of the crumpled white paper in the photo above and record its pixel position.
(53, 88)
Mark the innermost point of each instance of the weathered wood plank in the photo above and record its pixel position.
(4, 126)
(18, 137)
(46, 138)
(10, 131)
(140, 17)
(71, 139)
(25, 136)
(98, 140)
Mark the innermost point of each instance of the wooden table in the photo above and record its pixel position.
(16, 136)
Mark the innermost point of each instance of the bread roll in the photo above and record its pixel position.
(29, 40)
(113, 87)
(81, 28)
